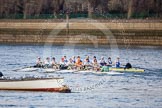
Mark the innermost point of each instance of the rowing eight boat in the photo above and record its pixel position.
(31, 69)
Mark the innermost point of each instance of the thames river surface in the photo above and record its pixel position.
(140, 90)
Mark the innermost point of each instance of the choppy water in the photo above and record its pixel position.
(142, 90)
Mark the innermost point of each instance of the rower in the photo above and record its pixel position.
(73, 59)
(87, 64)
(54, 63)
(47, 62)
(94, 59)
(38, 63)
(63, 64)
(65, 60)
(71, 64)
(102, 62)
(95, 65)
(117, 63)
(128, 66)
(109, 62)
(87, 58)
(78, 63)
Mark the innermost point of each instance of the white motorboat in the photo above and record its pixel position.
(34, 84)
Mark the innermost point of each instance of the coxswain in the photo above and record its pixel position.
(128, 66)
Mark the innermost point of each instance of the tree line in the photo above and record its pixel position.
(130, 8)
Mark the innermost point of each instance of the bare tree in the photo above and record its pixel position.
(158, 7)
(92, 4)
(26, 8)
(130, 9)
(56, 6)
(39, 6)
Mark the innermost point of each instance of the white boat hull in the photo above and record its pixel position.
(50, 70)
(47, 84)
(76, 71)
(29, 69)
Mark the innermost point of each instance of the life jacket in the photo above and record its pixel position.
(118, 64)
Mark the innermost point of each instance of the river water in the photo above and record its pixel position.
(140, 90)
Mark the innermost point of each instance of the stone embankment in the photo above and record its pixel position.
(81, 32)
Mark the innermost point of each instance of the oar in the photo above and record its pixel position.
(52, 71)
(22, 68)
(19, 68)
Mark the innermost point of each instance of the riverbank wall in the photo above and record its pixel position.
(81, 32)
